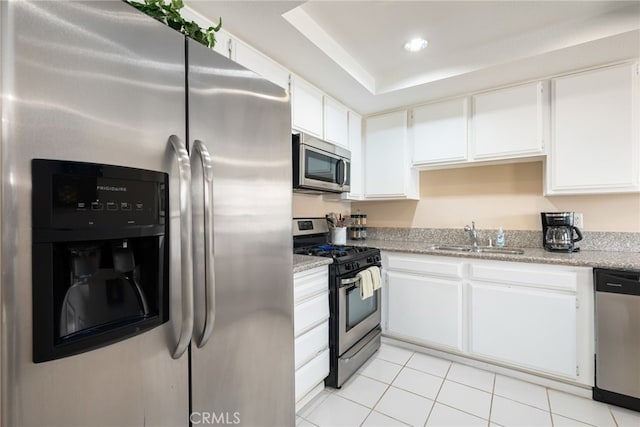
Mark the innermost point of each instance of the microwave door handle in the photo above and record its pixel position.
(344, 172)
(184, 167)
(209, 274)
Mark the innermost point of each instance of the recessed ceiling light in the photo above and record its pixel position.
(415, 45)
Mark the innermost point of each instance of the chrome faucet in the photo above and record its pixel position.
(473, 234)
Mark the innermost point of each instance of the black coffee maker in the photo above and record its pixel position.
(558, 232)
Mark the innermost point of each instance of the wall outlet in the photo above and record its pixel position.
(578, 220)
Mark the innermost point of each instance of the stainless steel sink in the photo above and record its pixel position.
(479, 249)
(498, 250)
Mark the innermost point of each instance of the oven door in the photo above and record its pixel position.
(322, 170)
(356, 317)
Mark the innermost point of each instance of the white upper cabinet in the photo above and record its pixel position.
(439, 132)
(336, 117)
(223, 44)
(250, 58)
(595, 146)
(510, 123)
(307, 108)
(387, 165)
(355, 146)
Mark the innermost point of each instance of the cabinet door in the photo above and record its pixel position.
(531, 328)
(595, 138)
(252, 59)
(388, 172)
(307, 109)
(510, 122)
(355, 146)
(336, 128)
(439, 132)
(426, 309)
(224, 44)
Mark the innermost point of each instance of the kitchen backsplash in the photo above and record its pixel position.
(593, 240)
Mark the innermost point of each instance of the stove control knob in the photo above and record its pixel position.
(347, 266)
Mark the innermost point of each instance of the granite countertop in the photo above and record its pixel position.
(584, 258)
(306, 262)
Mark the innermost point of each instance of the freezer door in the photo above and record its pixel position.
(245, 371)
(94, 82)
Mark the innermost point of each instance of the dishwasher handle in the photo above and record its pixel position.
(625, 282)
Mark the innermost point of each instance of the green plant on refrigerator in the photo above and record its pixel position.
(169, 14)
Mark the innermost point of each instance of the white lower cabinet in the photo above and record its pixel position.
(526, 327)
(311, 328)
(415, 301)
(533, 317)
(307, 378)
(311, 344)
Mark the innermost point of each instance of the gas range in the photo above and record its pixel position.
(354, 320)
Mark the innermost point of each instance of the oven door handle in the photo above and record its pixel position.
(209, 275)
(186, 256)
(350, 281)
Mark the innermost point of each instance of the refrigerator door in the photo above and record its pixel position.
(95, 82)
(245, 371)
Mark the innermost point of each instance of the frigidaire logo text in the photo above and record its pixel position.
(111, 188)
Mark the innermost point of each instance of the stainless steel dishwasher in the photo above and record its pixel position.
(617, 305)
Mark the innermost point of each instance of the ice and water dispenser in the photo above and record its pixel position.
(100, 252)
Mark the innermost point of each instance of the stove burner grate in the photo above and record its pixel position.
(333, 251)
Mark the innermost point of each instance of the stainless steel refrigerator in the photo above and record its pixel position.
(101, 82)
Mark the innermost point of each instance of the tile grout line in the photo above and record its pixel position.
(386, 389)
(615, 421)
(404, 366)
(493, 394)
(567, 416)
(435, 399)
(524, 403)
(546, 389)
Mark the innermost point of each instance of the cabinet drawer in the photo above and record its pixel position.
(311, 312)
(311, 374)
(539, 277)
(309, 283)
(311, 343)
(422, 264)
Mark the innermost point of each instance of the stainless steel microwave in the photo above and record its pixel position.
(319, 165)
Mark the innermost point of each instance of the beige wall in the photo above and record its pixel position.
(508, 196)
(309, 205)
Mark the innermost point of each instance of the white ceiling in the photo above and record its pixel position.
(353, 51)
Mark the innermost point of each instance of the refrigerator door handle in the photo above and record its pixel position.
(186, 264)
(209, 274)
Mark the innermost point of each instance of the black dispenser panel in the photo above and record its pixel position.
(100, 255)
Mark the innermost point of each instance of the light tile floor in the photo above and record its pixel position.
(399, 387)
